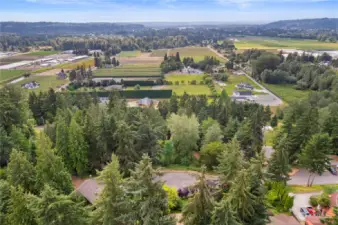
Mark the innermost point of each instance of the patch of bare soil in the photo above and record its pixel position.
(144, 58)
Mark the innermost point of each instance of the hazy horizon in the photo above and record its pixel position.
(166, 11)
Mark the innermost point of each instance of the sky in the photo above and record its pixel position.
(227, 11)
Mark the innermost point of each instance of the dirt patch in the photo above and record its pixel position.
(144, 58)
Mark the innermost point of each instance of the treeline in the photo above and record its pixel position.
(304, 71)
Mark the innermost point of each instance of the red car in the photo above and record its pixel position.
(312, 211)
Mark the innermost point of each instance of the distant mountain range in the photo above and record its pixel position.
(305, 24)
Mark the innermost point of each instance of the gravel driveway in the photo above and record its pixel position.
(300, 178)
(178, 179)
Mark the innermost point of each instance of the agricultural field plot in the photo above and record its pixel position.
(66, 66)
(198, 53)
(45, 82)
(279, 43)
(159, 52)
(143, 58)
(42, 53)
(129, 53)
(8, 75)
(18, 58)
(233, 80)
(287, 92)
(130, 70)
(185, 78)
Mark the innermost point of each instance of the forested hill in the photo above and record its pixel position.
(323, 23)
(53, 28)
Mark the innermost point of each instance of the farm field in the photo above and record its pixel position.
(181, 77)
(42, 53)
(279, 43)
(190, 89)
(287, 92)
(68, 66)
(198, 53)
(46, 82)
(130, 70)
(130, 53)
(18, 58)
(7, 75)
(159, 52)
(233, 80)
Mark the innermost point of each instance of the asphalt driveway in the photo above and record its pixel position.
(301, 200)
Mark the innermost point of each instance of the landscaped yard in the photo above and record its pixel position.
(287, 92)
(233, 80)
(130, 70)
(280, 43)
(42, 53)
(198, 53)
(7, 75)
(45, 82)
(130, 53)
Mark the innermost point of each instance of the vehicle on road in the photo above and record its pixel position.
(304, 212)
(312, 211)
(333, 170)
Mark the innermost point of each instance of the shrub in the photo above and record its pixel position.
(137, 87)
(177, 82)
(313, 201)
(324, 201)
(278, 197)
(174, 202)
(193, 82)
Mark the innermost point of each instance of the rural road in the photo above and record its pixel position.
(217, 53)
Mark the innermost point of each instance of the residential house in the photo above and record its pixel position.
(90, 189)
(244, 85)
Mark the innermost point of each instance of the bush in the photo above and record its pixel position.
(177, 82)
(174, 202)
(137, 87)
(313, 201)
(324, 201)
(193, 82)
(278, 197)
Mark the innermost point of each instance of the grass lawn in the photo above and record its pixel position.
(42, 53)
(280, 43)
(130, 70)
(130, 53)
(233, 80)
(184, 77)
(45, 82)
(7, 75)
(268, 137)
(198, 53)
(190, 89)
(314, 188)
(287, 92)
(159, 52)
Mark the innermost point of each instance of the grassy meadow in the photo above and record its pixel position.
(279, 43)
(7, 75)
(287, 92)
(185, 78)
(130, 70)
(159, 52)
(198, 53)
(186, 87)
(45, 82)
(42, 53)
(130, 53)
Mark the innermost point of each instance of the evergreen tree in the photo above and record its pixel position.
(62, 141)
(50, 168)
(224, 215)
(244, 137)
(267, 114)
(77, 148)
(58, 209)
(177, 57)
(5, 193)
(6, 145)
(165, 57)
(110, 207)
(20, 172)
(198, 211)
(173, 104)
(214, 133)
(230, 162)
(19, 212)
(231, 129)
(149, 202)
(274, 121)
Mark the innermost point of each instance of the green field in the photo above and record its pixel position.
(46, 82)
(198, 53)
(190, 89)
(130, 70)
(42, 53)
(233, 80)
(183, 77)
(7, 75)
(279, 43)
(130, 53)
(287, 92)
(159, 52)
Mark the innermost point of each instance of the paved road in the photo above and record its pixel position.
(300, 178)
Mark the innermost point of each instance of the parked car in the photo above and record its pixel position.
(333, 170)
(312, 211)
(304, 212)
